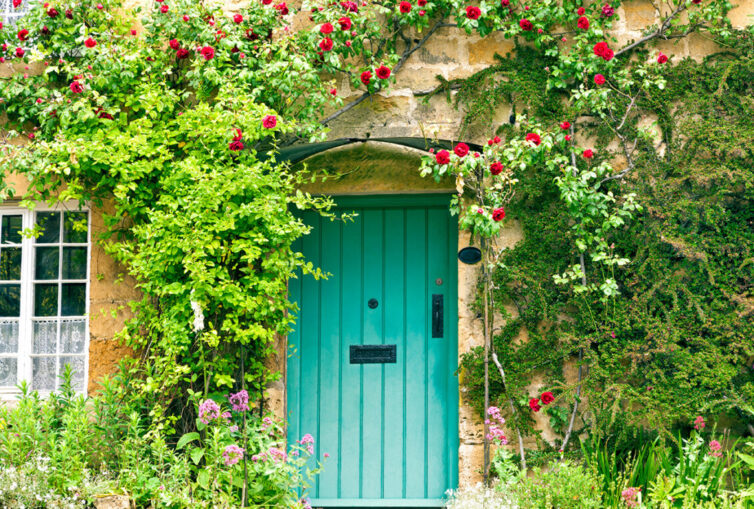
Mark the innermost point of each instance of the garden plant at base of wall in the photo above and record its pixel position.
(181, 123)
(66, 451)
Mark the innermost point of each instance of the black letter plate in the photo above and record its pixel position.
(373, 354)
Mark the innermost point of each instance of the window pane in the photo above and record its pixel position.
(47, 260)
(10, 300)
(9, 336)
(75, 227)
(43, 375)
(72, 336)
(74, 263)
(74, 299)
(49, 225)
(11, 228)
(45, 336)
(46, 299)
(10, 264)
(8, 371)
(77, 366)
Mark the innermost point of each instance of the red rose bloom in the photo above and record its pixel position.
(547, 398)
(366, 77)
(76, 87)
(600, 48)
(90, 43)
(19, 52)
(421, 3)
(533, 138)
(587, 154)
(581, 11)
(174, 44)
(404, 7)
(473, 12)
(350, 6)
(498, 214)
(164, 8)
(69, 14)
(496, 139)
(326, 28)
(325, 44)
(697, 2)
(282, 9)
(186, 17)
(16, 3)
(345, 23)
(52, 12)
(182, 53)
(382, 72)
(44, 30)
(208, 52)
(269, 121)
(565, 125)
(534, 404)
(525, 25)
(461, 150)
(23, 35)
(235, 145)
(442, 157)
(662, 58)
(599, 79)
(237, 18)
(583, 23)
(505, 3)
(496, 168)
(607, 11)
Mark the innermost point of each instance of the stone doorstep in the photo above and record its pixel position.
(113, 502)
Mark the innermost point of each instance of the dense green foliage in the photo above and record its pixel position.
(677, 340)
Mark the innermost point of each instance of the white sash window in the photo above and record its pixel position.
(44, 297)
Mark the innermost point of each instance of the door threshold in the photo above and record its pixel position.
(407, 503)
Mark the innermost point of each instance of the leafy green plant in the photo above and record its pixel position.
(562, 484)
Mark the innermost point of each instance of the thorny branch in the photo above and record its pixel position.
(410, 50)
(660, 32)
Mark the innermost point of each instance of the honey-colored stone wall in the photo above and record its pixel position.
(378, 169)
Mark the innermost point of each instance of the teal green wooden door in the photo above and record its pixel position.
(391, 429)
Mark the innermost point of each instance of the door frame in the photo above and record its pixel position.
(423, 200)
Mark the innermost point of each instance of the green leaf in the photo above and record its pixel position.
(185, 439)
(196, 454)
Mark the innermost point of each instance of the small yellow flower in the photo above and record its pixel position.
(2, 424)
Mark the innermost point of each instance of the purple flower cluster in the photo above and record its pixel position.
(495, 426)
(208, 411)
(240, 401)
(232, 455)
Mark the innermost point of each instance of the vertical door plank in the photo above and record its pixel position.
(393, 438)
(416, 359)
(294, 351)
(437, 405)
(309, 348)
(328, 431)
(348, 455)
(372, 403)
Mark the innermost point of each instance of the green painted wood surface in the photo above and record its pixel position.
(391, 430)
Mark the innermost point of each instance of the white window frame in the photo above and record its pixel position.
(26, 316)
(10, 15)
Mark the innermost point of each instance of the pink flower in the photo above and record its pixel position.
(607, 10)
(240, 401)
(232, 455)
(209, 411)
(629, 496)
(699, 422)
(269, 121)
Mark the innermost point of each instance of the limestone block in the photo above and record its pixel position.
(482, 50)
(700, 46)
(104, 355)
(470, 426)
(470, 461)
(112, 502)
(638, 14)
(743, 14)
(418, 76)
(275, 399)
